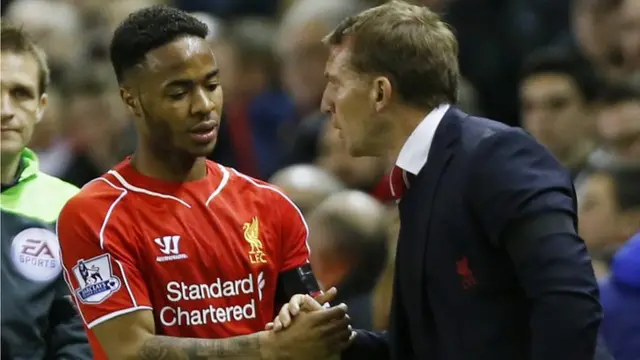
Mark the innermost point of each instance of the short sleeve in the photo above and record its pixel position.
(99, 260)
(295, 233)
(514, 177)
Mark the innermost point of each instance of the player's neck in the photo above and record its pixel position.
(169, 167)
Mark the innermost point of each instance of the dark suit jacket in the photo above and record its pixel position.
(465, 287)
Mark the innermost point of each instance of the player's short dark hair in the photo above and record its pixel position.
(148, 29)
(617, 93)
(15, 39)
(560, 61)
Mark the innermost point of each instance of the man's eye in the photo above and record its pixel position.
(212, 87)
(177, 96)
(21, 93)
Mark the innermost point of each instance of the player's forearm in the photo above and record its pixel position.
(249, 347)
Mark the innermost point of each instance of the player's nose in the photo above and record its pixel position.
(203, 103)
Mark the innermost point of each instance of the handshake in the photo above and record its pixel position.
(305, 329)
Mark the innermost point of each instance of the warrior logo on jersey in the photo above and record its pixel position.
(252, 236)
(96, 279)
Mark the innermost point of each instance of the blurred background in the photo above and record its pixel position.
(568, 71)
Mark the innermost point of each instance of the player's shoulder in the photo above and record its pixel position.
(254, 188)
(94, 199)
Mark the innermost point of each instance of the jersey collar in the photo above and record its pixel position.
(30, 164)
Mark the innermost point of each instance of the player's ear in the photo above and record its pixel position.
(130, 101)
(381, 92)
(41, 106)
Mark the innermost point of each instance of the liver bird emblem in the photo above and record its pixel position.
(252, 236)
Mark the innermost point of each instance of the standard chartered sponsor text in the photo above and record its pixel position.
(179, 292)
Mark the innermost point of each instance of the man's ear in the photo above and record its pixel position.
(42, 105)
(381, 92)
(131, 102)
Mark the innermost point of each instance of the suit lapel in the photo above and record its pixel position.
(416, 208)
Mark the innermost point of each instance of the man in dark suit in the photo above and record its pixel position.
(489, 265)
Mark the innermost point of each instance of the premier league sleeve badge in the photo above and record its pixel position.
(96, 279)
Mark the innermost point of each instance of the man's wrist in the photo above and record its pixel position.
(268, 346)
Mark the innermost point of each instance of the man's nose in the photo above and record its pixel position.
(7, 109)
(325, 103)
(202, 102)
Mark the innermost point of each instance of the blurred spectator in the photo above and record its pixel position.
(213, 23)
(58, 35)
(494, 37)
(303, 60)
(618, 122)
(362, 173)
(620, 297)
(630, 38)
(94, 130)
(348, 242)
(468, 98)
(231, 9)
(609, 208)
(306, 185)
(255, 106)
(601, 266)
(118, 10)
(557, 93)
(595, 25)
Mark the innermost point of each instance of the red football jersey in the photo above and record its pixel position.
(204, 256)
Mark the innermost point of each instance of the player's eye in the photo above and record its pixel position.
(213, 86)
(177, 95)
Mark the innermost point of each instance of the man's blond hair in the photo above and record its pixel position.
(409, 44)
(15, 39)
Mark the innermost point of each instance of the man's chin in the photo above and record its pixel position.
(11, 147)
(361, 151)
(204, 149)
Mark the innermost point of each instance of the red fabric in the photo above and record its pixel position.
(382, 191)
(398, 182)
(204, 256)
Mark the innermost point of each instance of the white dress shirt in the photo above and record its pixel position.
(415, 151)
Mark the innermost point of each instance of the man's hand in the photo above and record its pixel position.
(314, 335)
(298, 302)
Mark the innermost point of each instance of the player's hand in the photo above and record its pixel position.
(300, 302)
(313, 335)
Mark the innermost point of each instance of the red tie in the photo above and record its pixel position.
(398, 182)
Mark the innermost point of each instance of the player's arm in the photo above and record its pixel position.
(132, 336)
(296, 275)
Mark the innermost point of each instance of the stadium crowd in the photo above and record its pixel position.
(567, 71)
